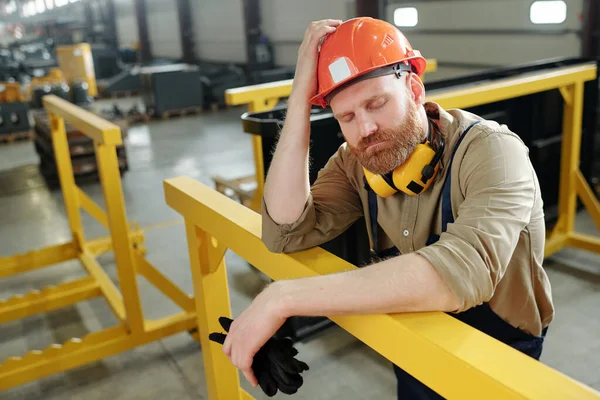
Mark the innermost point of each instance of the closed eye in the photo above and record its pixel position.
(378, 103)
(347, 118)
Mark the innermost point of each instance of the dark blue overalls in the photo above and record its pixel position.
(480, 317)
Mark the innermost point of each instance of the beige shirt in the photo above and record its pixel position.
(494, 250)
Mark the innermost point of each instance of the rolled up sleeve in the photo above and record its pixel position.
(499, 187)
(332, 206)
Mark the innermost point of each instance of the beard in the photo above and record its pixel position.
(401, 141)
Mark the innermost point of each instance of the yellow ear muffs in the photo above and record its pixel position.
(381, 184)
(414, 176)
(417, 172)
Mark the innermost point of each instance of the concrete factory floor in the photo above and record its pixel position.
(341, 367)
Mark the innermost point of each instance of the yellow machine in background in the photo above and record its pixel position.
(55, 76)
(77, 64)
(11, 92)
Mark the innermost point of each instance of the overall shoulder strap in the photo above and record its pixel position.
(373, 215)
(447, 217)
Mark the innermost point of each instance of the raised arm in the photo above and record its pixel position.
(297, 216)
(287, 184)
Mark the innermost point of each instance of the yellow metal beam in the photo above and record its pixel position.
(510, 88)
(91, 207)
(588, 198)
(555, 243)
(245, 395)
(248, 94)
(437, 349)
(62, 156)
(77, 352)
(569, 157)
(110, 179)
(209, 276)
(584, 242)
(432, 65)
(47, 299)
(567, 95)
(164, 284)
(104, 244)
(90, 124)
(20, 263)
(172, 324)
(108, 288)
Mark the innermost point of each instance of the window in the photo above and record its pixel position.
(40, 6)
(11, 7)
(548, 12)
(406, 16)
(29, 9)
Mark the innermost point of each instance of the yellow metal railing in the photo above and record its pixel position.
(447, 355)
(263, 97)
(570, 82)
(126, 241)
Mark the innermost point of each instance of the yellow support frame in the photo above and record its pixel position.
(447, 355)
(125, 239)
(258, 98)
(569, 81)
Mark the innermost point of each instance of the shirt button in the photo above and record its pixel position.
(406, 232)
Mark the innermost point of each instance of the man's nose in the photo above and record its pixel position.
(367, 128)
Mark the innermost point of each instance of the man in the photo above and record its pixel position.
(452, 202)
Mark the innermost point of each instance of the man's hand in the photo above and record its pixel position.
(305, 79)
(252, 329)
(274, 365)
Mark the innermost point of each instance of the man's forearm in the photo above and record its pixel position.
(400, 284)
(287, 185)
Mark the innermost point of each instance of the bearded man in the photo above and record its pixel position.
(452, 202)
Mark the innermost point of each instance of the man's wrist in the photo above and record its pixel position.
(282, 303)
(299, 99)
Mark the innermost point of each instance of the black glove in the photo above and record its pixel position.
(274, 364)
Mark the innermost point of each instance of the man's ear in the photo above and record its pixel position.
(417, 88)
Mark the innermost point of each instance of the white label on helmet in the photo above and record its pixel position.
(339, 70)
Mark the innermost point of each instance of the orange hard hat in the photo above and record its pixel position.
(359, 47)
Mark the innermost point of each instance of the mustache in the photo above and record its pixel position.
(380, 135)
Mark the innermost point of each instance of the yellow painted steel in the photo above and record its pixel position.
(11, 92)
(570, 82)
(439, 350)
(104, 244)
(126, 240)
(164, 284)
(95, 127)
(109, 289)
(67, 180)
(92, 347)
(263, 97)
(76, 64)
(207, 261)
(512, 87)
(47, 299)
(110, 179)
(21, 263)
(92, 208)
